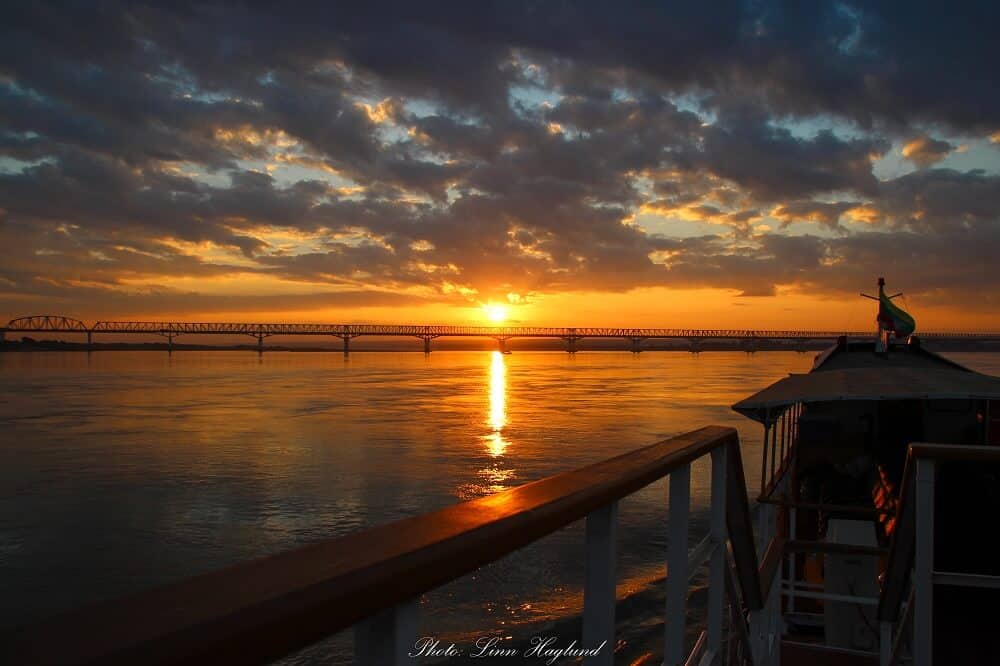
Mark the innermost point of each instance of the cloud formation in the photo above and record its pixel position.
(465, 152)
(925, 151)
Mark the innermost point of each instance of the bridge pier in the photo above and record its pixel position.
(502, 345)
(260, 343)
(571, 339)
(695, 345)
(427, 342)
(346, 337)
(169, 335)
(637, 344)
(90, 341)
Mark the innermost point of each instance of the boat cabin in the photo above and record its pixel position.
(834, 467)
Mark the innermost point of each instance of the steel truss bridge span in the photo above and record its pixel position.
(170, 330)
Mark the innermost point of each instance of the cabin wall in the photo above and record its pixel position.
(836, 432)
(840, 431)
(952, 422)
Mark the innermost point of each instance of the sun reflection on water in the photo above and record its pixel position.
(497, 418)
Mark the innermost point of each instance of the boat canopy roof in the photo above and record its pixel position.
(886, 383)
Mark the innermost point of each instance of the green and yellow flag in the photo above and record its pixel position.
(892, 317)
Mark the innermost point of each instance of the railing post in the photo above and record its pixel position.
(599, 593)
(923, 570)
(387, 638)
(677, 566)
(763, 622)
(717, 530)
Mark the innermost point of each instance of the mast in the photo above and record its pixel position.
(881, 317)
(882, 343)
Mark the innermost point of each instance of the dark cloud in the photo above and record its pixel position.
(773, 164)
(941, 200)
(469, 150)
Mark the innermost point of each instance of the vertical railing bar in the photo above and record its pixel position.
(784, 424)
(784, 432)
(677, 562)
(388, 637)
(761, 620)
(792, 518)
(717, 530)
(774, 446)
(923, 581)
(798, 417)
(763, 460)
(599, 592)
(795, 424)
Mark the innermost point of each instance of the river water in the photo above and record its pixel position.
(123, 470)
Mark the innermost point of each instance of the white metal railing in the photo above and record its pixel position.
(372, 580)
(389, 637)
(907, 629)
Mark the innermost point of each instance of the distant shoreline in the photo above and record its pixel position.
(515, 345)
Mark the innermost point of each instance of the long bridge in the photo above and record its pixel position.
(346, 332)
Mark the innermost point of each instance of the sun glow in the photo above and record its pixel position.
(495, 312)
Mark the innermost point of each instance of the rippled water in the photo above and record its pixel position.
(122, 470)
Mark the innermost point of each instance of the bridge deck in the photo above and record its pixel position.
(56, 324)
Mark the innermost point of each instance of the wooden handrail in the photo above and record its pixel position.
(901, 549)
(258, 611)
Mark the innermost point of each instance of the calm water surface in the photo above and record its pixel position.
(122, 470)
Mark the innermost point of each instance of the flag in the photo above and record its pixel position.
(893, 318)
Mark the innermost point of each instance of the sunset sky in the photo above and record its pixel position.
(706, 164)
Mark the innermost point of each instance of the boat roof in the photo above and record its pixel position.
(861, 354)
(854, 372)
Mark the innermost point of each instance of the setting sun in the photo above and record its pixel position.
(495, 312)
